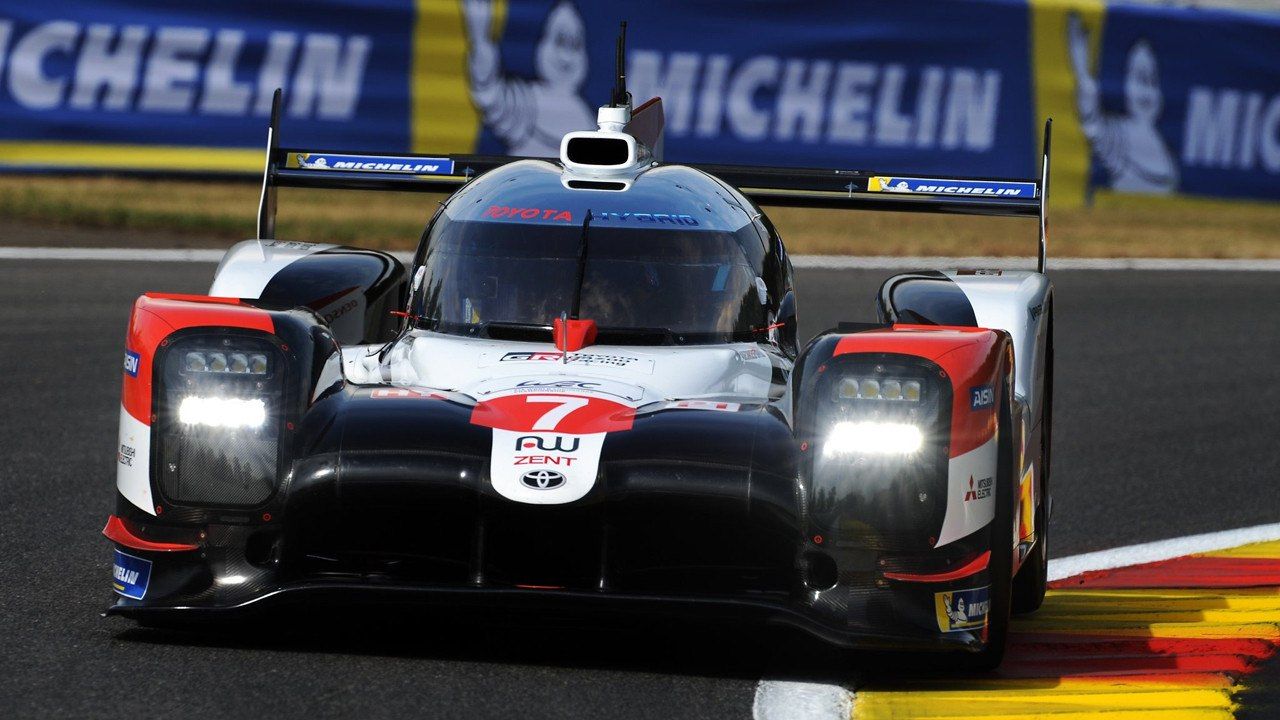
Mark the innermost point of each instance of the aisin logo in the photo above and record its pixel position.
(542, 479)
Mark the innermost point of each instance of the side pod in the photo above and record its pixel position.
(899, 457)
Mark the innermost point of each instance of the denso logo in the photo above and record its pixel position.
(556, 443)
(341, 310)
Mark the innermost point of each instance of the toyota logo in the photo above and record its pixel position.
(542, 479)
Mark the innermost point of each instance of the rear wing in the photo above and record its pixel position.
(795, 187)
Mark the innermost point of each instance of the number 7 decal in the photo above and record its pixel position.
(565, 404)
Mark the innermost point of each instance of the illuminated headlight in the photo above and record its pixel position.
(890, 389)
(222, 412)
(881, 438)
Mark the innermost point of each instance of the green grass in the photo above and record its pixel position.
(126, 211)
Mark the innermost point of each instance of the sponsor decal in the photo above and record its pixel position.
(557, 433)
(502, 212)
(130, 575)
(565, 460)
(580, 358)
(542, 479)
(385, 393)
(980, 272)
(705, 405)
(645, 218)
(131, 360)
(125, 456)
(981, 397)
(962, 609)
(935, 186)
(750, 354)
(556, 443)
(376, 163)
(980, 491)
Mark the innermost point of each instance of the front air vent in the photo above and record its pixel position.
(596, 185)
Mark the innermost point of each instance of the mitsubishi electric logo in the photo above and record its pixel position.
(542, 479)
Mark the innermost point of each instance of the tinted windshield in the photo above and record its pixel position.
(696, 284)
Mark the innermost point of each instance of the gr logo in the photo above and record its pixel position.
(555, 443)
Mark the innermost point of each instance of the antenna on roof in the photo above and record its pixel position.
(621, 98)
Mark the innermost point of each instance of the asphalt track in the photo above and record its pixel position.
(1168, 407)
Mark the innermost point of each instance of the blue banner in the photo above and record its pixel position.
(155, 72)
(1146, 99)
(1183, 101)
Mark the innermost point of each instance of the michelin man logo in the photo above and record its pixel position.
(531, 115)
(1128, 144)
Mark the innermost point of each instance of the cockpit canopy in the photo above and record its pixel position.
(676, 258)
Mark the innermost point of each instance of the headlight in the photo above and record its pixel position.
(220, 417)
(888, 389)
(222, 412)
(880, 438)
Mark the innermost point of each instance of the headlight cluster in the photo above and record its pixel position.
(225, 362)
(867, 388)
(221, 419)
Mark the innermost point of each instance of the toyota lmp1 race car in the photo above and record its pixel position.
(587, 393)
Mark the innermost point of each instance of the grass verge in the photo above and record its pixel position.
(213, 213)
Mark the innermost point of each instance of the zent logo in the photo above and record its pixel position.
(981, 397)
(131, 360)
(542, 479)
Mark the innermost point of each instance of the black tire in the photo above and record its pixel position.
(1001, 566)
(1032, 579)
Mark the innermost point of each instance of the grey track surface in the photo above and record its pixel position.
(1167, 397)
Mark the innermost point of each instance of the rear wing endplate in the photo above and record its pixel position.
(795, 187)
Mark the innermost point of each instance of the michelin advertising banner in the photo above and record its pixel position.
(1145, 100)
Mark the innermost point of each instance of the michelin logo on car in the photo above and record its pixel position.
(376, 163)
(931, 186)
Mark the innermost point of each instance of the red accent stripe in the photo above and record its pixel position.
(974, 567)
(1196, 572)
(1050, 655)
(116, 531)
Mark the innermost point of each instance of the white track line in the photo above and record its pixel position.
(808, 262)
(787, 700)
(1161, 550)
